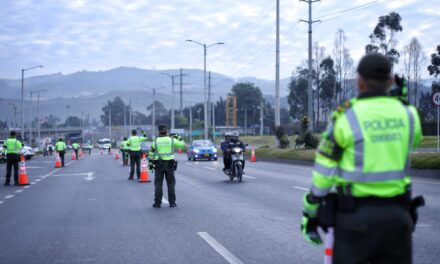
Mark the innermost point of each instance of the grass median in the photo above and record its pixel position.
(418, 160)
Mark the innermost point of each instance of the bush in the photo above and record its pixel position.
(282, 137)
(310, 141)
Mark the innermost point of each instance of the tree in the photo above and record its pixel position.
(72, 121)
(50, 121)
(139, 118)
(249, 99)
(434, 68)
(383, 38)
(418, 59)
(117, 108)
(329, 85)
(297, 97)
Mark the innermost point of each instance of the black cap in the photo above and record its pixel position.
(133, 132)
(162, 128)
(13, 133)
(375, 66)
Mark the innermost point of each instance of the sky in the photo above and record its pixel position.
(73, 35)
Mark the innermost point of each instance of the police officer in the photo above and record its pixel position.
(12, 147)
(124, 152)
(134, 146)
(75, 147)
(161, 159)
(364, 155)
(61, 147)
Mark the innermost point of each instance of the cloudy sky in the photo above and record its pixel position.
(72, 35)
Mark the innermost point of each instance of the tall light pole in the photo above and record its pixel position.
(154, 111)
(30, 119)
(109, 122)
(22, 97)
(277, 68)
(172, 95)
(205, 112)
(38, 113)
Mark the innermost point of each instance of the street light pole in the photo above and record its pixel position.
(22, 98)
(30, 120)
(38, 114)
(205, 112)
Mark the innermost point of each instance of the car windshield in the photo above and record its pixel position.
(202, 143)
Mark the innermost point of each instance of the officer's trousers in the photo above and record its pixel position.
(61, 153)
(374, 234)
(135, 160)
(12, 161)
(164, 169)
(76, 153)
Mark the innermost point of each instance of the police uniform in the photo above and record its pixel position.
(124, 150)
(75, 147)
(364, 155)
(12, 147)
(162, 155)
(61, 147)
(134, 146)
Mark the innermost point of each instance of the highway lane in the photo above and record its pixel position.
(90, 213)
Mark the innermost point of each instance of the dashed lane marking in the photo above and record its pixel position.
(426, 182)
(300, 188)
(1, 202)
(209, 168)
(225, 253)
(26, 187)
(9, 196)
(249, 177)
(19, 191)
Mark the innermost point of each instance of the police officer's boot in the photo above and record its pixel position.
(156, 205)
(7, 183)
(173, 205)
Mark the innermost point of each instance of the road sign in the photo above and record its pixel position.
(436, 99)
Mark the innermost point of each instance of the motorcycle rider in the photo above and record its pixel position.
(234, 141)
(223, 146)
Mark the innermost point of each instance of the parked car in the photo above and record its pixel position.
(202, 149)
(27, 152)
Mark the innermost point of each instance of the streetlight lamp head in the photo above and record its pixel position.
(221, 43)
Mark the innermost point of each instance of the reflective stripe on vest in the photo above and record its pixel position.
(358, 175)
(160, 155)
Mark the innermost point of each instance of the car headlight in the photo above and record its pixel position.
(196, 151)
(214, 150)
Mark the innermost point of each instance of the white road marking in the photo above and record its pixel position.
(32, 167)
(165, 201)
(423, 225)
(92, 199)
(300, 188)
(1, 202)
(33, 182)
(9, 196)
(188, 163)
(249, 177)
(38, 180)
(89, 176)
(209, 168)
(27, 186)
(226, 254)
(18, 191)
(426, 182)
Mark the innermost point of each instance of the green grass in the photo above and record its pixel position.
(418, 160)
(428, 142)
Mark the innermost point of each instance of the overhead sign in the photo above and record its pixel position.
(436, 99)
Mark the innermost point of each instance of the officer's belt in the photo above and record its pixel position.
(402, 199)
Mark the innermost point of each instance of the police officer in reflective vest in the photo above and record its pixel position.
(161, 159)
(364, 156)
(75, 147)
(134, 147)
(124, 149)
(61, 147)
(12, 147)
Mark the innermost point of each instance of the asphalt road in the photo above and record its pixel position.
(89, 212)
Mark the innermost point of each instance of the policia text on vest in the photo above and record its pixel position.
(161, 158)
(364, 155)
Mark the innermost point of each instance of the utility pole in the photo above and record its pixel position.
(209, 99)
(310, 76)
(261, 118)
(30, 121)
(172, 95)
(245, 121)
(181, 92)
(125, 119)
(22, 98)
(154, 112)
(190, 122)
(277, 68)
(109, 122)
(38, 114)
(213, 120)
(130, 117)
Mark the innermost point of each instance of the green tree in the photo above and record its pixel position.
(297, 97)
(249, 99)
(117, 112)
(72, 121)
(329, 85)
(434, 67)
(383, 38)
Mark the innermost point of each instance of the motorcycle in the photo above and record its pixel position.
(236, 168)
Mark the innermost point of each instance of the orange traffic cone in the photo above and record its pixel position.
(58, 162)
(23, 178)
(253, 157)
(144, 172)
(116, 156)
(180, 151)
(72, 157)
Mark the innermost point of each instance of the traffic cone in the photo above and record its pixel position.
(72, 157)
(23, 178)
(144, 172)
(253, 157)
(180, 151)
(80, 153)
(58, 162)
(116, 156)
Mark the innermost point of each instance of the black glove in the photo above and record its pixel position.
(419, 201)
(176, 137)
(150, 165)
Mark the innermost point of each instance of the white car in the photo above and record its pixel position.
(27, 152)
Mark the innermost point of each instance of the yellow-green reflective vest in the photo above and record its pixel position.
(163, 148)
(60, 146)
(12, 146)
(123, 145)
(75, 146)
(368, 146)
(134, 143)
